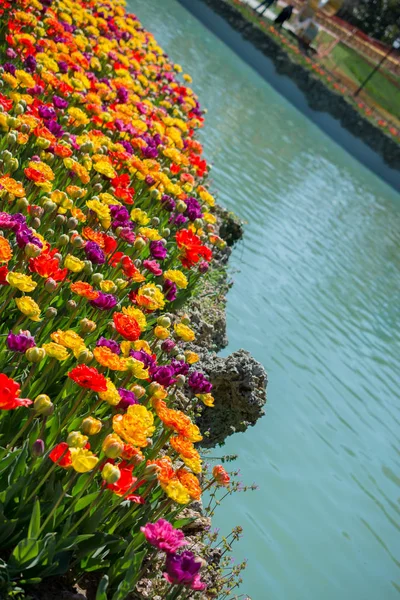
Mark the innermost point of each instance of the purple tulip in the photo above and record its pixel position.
(168, 345)
(104, 301)
(145, 358)
(94, 253)
(193, 210)
(199, 384)
(168, 203)
(180, 367)
(60, 102)
(30, 64)
(20, 342)
(120, 216)
(122, 95)
(9, 68)
(111, 344)
(183, 569)
(128, 398)
(158, 250)
(170, 290)
(47, 112)
(164, 375)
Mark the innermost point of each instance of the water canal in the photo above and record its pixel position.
(317, 300)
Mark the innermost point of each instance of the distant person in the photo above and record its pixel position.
(266, 4)
(284, 15)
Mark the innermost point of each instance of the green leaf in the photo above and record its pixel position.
(80, 484)
(182, 522)
(85, 501)
(34, 525)
(6, 530)
(24, 553)
(102, 589)
(20, 465)
(30, 581)
(131, 576)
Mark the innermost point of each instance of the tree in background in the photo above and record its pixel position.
(378, 18)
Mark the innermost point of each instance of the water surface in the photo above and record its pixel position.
(316, 300)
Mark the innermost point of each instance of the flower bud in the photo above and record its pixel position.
(85, 356)
(138, 390)
(185, 320)
(153, 388)
(121, 283)
(63, 239)
(164, 321)
(35, 355)
(166, 232)
(111, 326)
(38, 448)
(181, 206)
(76, 440)
(168, 346)
(198, 223)
(77, 241)
(50, 285)
(156, 194)
(97, 188)
(71, 305)
(60, 220)
(37, 211)
(43, 405)
(91, 426)
(155, 221)
(88, 268)
(50, 313)
(72, 223)
(49, 206)
(87, 326)
(180, 380)
(97, 277)
(112, 446)
(22, 204)
(36, 223)
(110, 473)
(139, 244)
(31, 250)
(150, 473)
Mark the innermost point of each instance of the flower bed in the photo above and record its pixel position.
(107, 225)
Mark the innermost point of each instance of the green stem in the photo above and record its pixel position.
(18, 435)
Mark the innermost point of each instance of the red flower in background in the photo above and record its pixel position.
(46, 266)
(192, 248)
(126, 483)
(88, 377)
(126, 326)
(9, 394)
(61, 455)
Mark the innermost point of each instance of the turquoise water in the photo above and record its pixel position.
(316, 299)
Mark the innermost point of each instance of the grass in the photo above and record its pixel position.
(383, 89)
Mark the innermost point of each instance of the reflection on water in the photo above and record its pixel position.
(317, 301)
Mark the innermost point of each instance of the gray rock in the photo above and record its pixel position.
(230, 226)
(239, 388)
